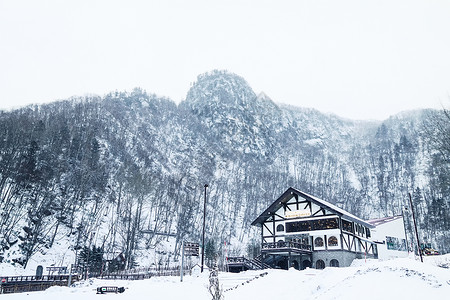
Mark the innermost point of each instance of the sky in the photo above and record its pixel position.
(359, 59)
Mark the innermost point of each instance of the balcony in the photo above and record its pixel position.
(283, 246)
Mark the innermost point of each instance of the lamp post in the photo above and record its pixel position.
(415, 227)
(203, 235)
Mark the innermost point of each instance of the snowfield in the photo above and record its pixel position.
(394, 279)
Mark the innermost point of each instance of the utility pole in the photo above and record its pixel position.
(182, 261)
(404, 229)
(415, 227)
(69, 281)
(203, 235)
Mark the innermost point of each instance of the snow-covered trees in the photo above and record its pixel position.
(130, 162)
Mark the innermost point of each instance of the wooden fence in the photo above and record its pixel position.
(20, 284)
(147, 274)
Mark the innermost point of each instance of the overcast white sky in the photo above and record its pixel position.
(355, 58)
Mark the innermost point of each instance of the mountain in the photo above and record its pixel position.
(115, 171)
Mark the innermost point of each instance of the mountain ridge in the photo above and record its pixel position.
(132, 161)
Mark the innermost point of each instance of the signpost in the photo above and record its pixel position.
(191, 249)
(188, 249)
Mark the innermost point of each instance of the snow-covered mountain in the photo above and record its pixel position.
(99, 170)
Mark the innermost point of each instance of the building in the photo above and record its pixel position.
(300, 230)
(197, 269)
(390, 236)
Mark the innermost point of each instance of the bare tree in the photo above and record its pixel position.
(437, 132)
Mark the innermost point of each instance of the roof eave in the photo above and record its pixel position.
(290, 191)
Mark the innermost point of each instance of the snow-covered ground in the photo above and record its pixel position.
(394, 279)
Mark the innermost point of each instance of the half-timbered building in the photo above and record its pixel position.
(299, 230)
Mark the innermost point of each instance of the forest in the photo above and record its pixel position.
(109, 173)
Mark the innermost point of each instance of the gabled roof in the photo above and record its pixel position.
(283, 199)
(381, 221)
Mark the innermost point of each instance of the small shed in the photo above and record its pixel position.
(196, 269)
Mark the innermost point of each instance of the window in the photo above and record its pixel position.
(368, 232)
(320, 264)
(324, 224)
(347, 226)
(318, 242)
(394, 243)
(334, 263)
(319, 224)
(298, 226)
(332, 241)
(280, 227)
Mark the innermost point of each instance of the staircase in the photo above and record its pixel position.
(260, 263)
(237, 264)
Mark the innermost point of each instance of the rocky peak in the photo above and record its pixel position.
(219, 89)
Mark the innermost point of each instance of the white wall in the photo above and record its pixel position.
(394, 229)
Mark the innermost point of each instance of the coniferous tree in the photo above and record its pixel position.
(91, 260)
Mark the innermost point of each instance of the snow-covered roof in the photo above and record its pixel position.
(288, 195)
(205, 267)
(381, 221)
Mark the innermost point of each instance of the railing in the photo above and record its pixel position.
(237, 259)
(242, 261)
(146, 275)
(13, 279)
(125, 276)
(259, 259)
(287, 244)
(18, 284)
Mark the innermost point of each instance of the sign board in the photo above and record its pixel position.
(297, 213)
(191, 249)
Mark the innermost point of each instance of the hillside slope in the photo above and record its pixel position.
(99, 170)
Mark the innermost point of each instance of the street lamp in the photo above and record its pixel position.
(203, 235)
(415, 227)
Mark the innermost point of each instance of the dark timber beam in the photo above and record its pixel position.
(268, 229)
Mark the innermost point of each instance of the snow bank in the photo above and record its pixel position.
(371, 279)
(154, 288)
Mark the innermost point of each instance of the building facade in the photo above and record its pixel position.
(390, 236)
(299, 230)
